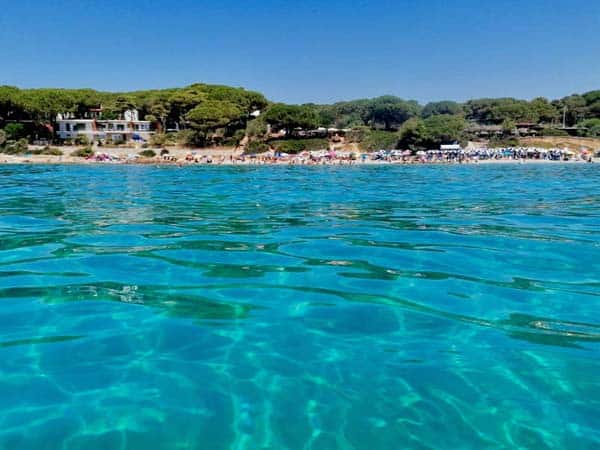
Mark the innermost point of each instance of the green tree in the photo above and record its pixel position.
(443, 107)
(413, 134)
(544, 110)
(344, 114)
(573, 108)
(118, 105)
(257, 128)
(290, 117)
(497, 110)
(508, 126)
(592, 100)
(590, 127)
(184, 100)
(160, 110)
(391, 112)
(213, 114)
(444, 129)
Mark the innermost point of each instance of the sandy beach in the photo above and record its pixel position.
(230, 156)
(48, 159)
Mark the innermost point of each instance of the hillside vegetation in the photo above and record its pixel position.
(208, 115)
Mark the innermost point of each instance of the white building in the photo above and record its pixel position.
(122, 130)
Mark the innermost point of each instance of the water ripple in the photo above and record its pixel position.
(372, 307)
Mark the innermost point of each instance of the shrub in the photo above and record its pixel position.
(236, 139)
(47, 151)
(554, 132)
(158, 139)
(590, 128)
(299, 145)
(16, 147)
(84, 152)
(257, 147)
(2, 138)
(15, 131)
(147, 153)
(370, 140)
(191, 138)
(9, 148)
(164, 151)
(82, 139)
(504, 142)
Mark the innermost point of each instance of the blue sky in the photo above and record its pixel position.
(307, 51)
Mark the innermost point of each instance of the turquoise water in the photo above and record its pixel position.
(299, 308)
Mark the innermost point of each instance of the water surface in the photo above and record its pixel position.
(299, 308)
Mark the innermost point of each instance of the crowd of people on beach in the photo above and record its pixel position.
(344, 157)
(325, 157)
(501, 154)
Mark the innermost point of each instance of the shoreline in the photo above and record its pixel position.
(340, 156)
(70, 160)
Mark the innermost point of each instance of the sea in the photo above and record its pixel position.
(373, 307)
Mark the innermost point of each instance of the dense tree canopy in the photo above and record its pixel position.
(391, 112)
(590, 127)
(413, 134)
(496, 111)
(344, 114)
(443, 107)
(387, 112)
(444, 129)
(430, 133)
(199, 106)
(290, 117)
(213, 113)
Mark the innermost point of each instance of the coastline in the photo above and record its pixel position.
(71, 160)
(229, 156)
